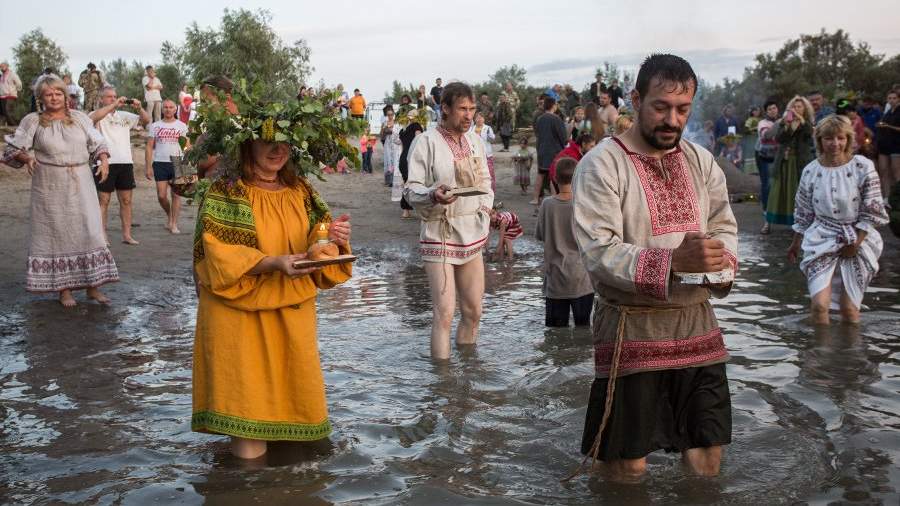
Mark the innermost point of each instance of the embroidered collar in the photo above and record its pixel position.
(459, 149)
(642, 155)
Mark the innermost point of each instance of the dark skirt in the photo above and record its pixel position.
(671, 410)
(404, 171)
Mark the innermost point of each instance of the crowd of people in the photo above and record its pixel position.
(660, 380)
(780, 141)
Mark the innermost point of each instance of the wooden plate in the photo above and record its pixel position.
(466, 191)
(340, 259)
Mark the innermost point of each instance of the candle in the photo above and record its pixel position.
(322, 233)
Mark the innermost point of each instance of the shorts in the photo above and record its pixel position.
(672, 410)
(121, 177)
(556, 311)
(163, 171)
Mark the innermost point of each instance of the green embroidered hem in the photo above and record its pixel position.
(208, 421)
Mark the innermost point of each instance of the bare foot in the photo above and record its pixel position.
(167, 226)
(130, 240)
(66, 298)
(174, 229)
(96, 294)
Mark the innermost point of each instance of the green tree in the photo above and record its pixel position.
(244, 46)
(510, 74)
(125, 77)
(828, 62)
(172, 80)
(398, 90)
(35, 52)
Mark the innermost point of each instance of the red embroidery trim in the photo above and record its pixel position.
(671, 200)
(460, 149)
(733, 259)
(651, 277)
(449, 253)
(668, 354)
(479, 241)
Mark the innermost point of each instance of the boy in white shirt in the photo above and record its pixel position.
(163, 143)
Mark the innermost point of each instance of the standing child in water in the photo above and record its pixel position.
(507, 223)
(567, 284)
(522, 160)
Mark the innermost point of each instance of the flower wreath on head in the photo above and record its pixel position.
(314, 130)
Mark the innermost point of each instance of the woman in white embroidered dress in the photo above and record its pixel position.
(68, 250)
(837, 208)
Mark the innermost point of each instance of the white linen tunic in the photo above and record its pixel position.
(631, 211)
(67, 247)
(457, 232)
(832, 203)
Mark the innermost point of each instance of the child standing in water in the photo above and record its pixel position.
(522, 160)
(507, 223)
(566, 282)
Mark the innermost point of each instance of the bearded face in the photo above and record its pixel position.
(664, 112)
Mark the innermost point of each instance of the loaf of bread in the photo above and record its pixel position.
(322, 251)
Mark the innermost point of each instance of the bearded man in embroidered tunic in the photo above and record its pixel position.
(647, 204)
(454, 229)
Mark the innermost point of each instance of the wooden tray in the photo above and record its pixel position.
(466, 191)
(340, 259)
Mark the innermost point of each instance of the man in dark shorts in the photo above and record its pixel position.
(648, 204)
(116, 125)
(551, 136)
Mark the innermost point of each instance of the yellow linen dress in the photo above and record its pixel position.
(256, 359)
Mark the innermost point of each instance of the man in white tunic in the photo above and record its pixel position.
(648, 204)
(454, 229)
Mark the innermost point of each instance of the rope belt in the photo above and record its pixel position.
(444, 221)
(624, 312)
(70, 169)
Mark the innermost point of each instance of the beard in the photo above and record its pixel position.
(649, 135)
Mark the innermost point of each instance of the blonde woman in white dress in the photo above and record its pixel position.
(837, 209)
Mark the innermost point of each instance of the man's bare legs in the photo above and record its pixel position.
(470, 286)
(703, 461)
(442, 282)
(124, 197)
(125, 207)
(171, 209)
(445, 280)
(699, 461)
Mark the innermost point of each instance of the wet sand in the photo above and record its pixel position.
(95, 401)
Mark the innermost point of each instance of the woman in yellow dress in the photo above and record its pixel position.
(257, 375)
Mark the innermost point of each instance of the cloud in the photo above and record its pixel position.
(710, 64)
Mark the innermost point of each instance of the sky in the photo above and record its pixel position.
(368, 45)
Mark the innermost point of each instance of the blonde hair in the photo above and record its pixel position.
(809, 114)
(51, 81)
(623, 123)
(832, 126)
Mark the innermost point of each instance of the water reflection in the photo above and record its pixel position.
(95, 407)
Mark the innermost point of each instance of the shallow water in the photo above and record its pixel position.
(96, 406)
